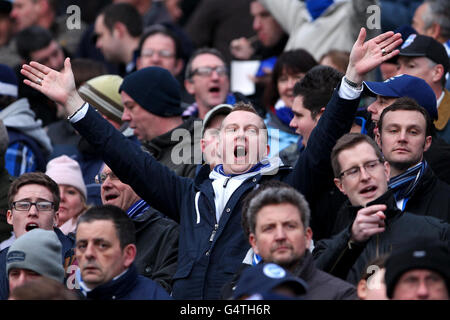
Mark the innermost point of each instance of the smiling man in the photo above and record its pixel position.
(106, 250)
(34, 202)
(376, 225)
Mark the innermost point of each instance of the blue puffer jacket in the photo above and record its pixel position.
(68, 259)
(129, 286)
(211, 251)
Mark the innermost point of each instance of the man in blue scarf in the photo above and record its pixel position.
(404, 134)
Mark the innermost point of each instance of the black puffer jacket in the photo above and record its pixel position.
(157, 247)
(335, 256)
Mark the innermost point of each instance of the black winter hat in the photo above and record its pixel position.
(155, 90)
(427, 254)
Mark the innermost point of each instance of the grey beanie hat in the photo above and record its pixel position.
(37, 250)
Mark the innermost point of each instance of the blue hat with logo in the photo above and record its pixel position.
(264, 278)
(405, 85)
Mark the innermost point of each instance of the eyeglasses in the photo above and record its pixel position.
(207, 71)
(101, 178)
(26, 205)
(161, 53)
(355, 172)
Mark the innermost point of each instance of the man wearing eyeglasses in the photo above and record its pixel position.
(377, 225)
(156, 235)
(207, 80)
(404, 134)
(34, 202)
(160, 47)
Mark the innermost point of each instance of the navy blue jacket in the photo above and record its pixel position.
(210, 252)
(68, 259)
(129, 286)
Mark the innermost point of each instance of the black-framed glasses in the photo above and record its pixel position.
(24, 205)
(101, 178)
(161, 53)
(207, 71)
(355, 172)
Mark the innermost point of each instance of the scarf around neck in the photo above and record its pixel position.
(404, 184)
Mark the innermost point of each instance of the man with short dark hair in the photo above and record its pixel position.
(36, 43)
(34, 202)
(43, 13)
(105, 251)
(388, 91)
(404, 134)
(376, 225)
(117, 31)
(426, 58)
(207, 80)
(160, 47)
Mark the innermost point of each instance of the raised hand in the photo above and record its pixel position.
(367, 55)
(368, 221)
(58, 86)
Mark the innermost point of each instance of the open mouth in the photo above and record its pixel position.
(110, 197)
(368, 189)
(214, 89)
(30, 226)
(240, 151)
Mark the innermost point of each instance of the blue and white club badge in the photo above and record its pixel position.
(274, 271)
(408, 41)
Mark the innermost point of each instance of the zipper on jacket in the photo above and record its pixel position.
(226, 182)
(213, 234)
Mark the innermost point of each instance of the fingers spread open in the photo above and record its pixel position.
(382, 37)
(32, 73)
(40, 67)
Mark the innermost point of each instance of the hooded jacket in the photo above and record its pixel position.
(347, 262)
(20, 122)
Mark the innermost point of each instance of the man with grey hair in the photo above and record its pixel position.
(432, 18)
(275, 217)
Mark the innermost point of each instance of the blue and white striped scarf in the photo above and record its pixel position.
(404, 184)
